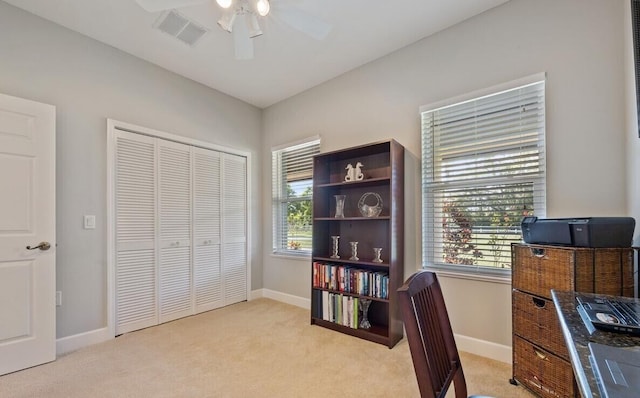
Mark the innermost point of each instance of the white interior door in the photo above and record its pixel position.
(27, 218)
(174, 203)
(136, 288)
(234, 228)
(207, 273)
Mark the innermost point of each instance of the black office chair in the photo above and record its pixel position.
(433, 349)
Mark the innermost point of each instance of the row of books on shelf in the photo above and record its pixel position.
(337, 308)
(351, 280)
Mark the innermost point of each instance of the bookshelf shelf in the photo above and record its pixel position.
(371, 181)
(358, 263)
(352, 294)
(352, 219)
(340, 284)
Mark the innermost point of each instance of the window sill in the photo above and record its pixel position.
(490, 276)
(301, 257)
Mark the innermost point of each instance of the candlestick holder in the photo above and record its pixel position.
(334, 246)
(354, 251)
(377, 251)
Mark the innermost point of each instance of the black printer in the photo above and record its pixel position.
(580, 232)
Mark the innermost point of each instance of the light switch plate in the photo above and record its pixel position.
(89, 222)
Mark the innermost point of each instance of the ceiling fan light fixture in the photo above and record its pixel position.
(263, 7)
(227, 20)
(224, 3)
(253, 25)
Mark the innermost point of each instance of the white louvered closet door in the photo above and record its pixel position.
(234, 228)
(174, 204)
(180, 230)
(207, 274)
(135, 213)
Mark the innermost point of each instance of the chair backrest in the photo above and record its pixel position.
(433, 349)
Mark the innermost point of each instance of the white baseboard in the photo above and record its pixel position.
(484, 348)
(80, 340)
(75, 342)
(256, 294)
(468, 344)
(282, 297)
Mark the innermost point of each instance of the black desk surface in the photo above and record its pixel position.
(577, 336)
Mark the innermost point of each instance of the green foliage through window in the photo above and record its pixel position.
(483, 170)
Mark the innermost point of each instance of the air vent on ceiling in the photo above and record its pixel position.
(178, 26)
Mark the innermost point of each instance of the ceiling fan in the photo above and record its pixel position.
(234, 11)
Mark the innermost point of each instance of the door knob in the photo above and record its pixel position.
(42, 246)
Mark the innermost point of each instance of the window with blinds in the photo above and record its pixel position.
(483, 169)
(292, 168)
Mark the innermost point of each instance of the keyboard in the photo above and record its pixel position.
(627, 311)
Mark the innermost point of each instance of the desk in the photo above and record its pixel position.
(577, 336)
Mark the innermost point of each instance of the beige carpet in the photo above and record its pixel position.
(261, 348)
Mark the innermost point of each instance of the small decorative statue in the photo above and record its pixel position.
(358, 172)
(354, 173)
(350, 173)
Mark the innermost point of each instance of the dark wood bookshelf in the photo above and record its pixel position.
(383, 169)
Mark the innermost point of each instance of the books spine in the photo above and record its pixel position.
(350, 280)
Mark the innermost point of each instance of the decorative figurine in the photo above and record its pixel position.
(354, 173)
(350, 173)
(358, 175)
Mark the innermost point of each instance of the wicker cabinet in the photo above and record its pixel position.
(540, 356)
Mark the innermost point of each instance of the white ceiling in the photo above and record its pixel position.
(286, 61)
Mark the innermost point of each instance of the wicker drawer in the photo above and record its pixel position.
(536, 320)
(537, 269)
(542, 372)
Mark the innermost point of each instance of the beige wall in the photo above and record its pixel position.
(89, 82)
(578, 43)
(592, 138)
(631, 126)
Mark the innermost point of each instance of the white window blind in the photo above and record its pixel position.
(483, 169)
(292, 168)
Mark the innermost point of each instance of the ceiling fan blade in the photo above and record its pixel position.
(242, 43)
(161, 5)
(301, 21)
